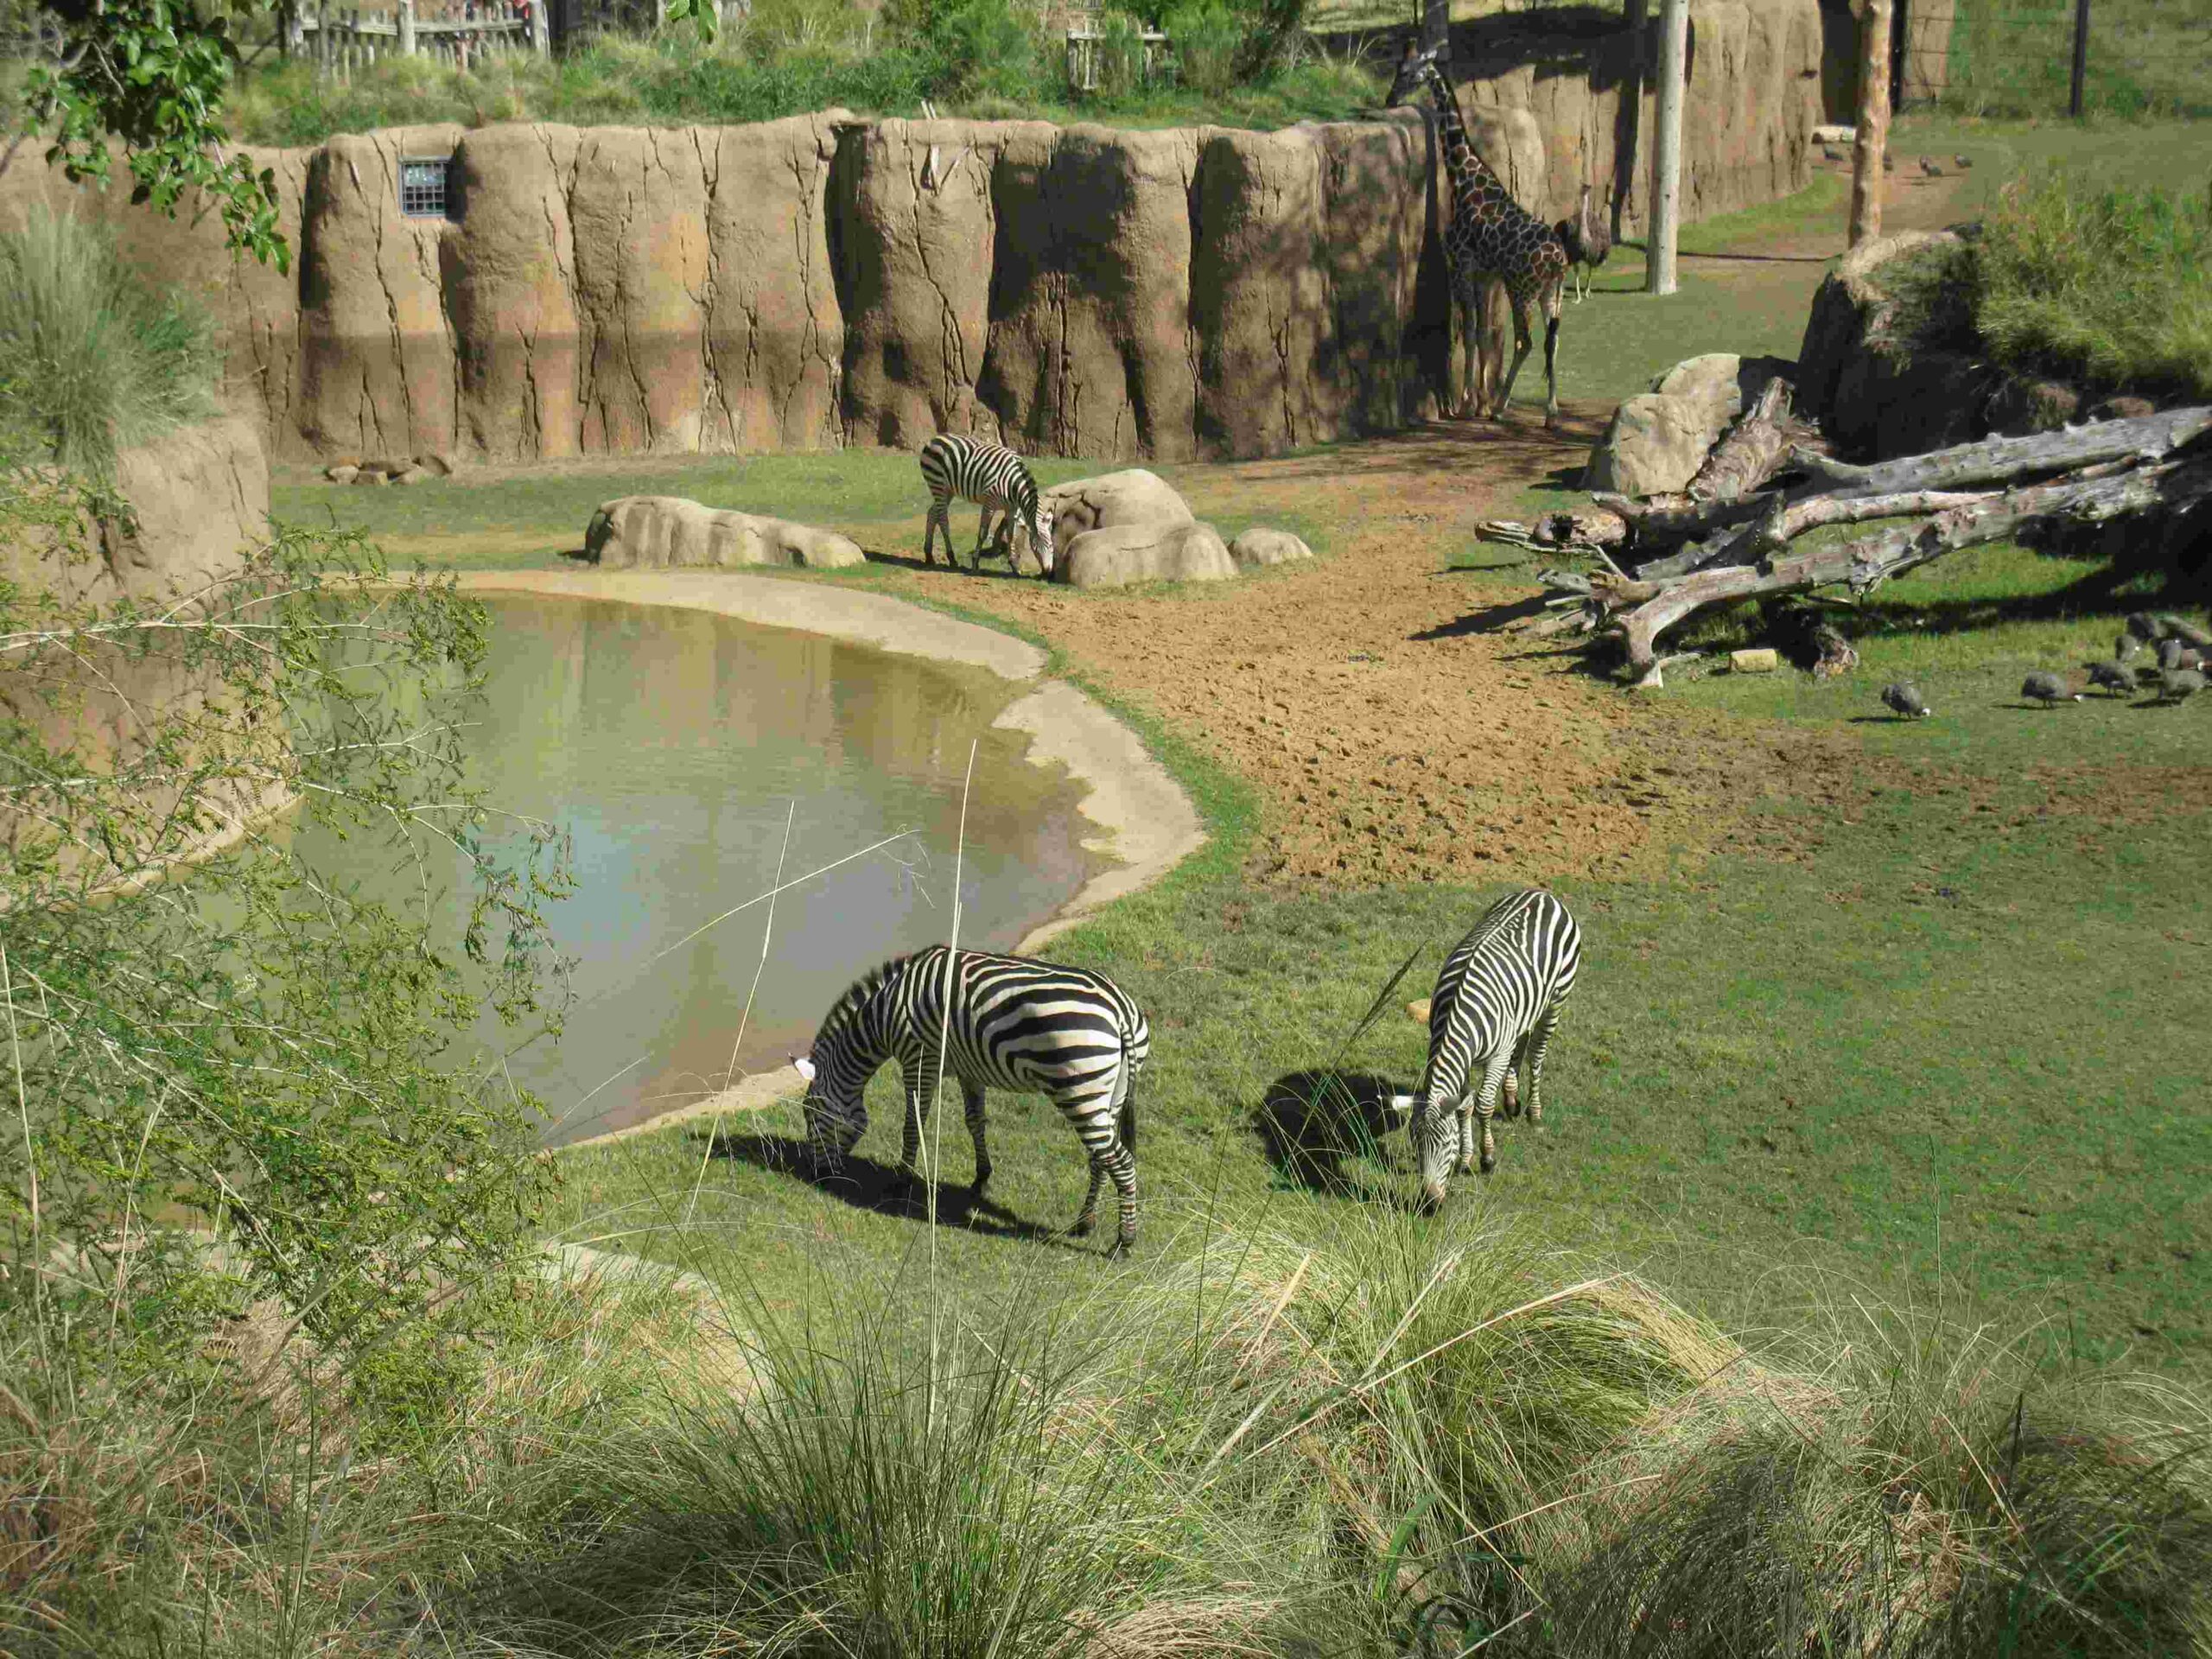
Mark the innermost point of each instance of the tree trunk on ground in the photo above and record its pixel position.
(1866, 183)
(1752, 452)
(1869, 560)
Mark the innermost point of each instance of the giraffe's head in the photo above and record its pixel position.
(1416, 70)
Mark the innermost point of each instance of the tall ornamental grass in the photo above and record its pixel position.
(96, 358)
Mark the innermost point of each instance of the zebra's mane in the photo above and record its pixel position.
(1495, 920)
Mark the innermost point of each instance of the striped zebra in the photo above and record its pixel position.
(1032, 1028)
(995, 478)
(1497, 1002)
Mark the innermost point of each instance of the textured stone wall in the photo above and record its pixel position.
(805, 283)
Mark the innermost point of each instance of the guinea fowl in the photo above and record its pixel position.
(2047, 689)
(1931, 168)
(2170, 652)
(1586, 241)
(2112, 676)
(2180, 682)
(1904, 697)
(2126, 646)
(1961, 162)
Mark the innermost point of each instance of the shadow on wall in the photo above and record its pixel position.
(805, 283)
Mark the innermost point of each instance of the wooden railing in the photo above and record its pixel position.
(343, 37)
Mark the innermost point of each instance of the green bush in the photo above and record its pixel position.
(1209, 39)
(96, 358)
(2111, 285)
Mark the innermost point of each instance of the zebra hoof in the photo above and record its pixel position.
(1121, 1249)
(1082, 1228)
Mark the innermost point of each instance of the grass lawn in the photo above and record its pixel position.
(1941, 1037)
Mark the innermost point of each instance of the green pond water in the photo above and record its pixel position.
(671, 745)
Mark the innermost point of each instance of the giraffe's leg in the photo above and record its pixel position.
(1470, 341)
(972, 1098)
(1551, 355)
(1539, 1039)
(1523, 343)
(1486, 1104)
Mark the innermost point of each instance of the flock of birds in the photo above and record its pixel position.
(2181, 653)
(1929, 165)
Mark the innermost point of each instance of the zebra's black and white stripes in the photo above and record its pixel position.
(1032, 1027)
(997, 480)
(1497, 1002)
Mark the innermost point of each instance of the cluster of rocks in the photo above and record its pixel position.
(1107, 533)
(1133, 526)
(405, 469)
(664, 532)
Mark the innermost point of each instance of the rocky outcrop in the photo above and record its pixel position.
(1114, 501)
(1880, 395)
(1657, 440)
(663, 532)
(812, 281)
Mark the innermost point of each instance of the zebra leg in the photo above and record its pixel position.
(1509, 1102)
(983, 534)
(1466, 1116)
(920, 1081)
(940, 516)
(1095, 1120)
(1486, 1102)
(1539, 1041)
(972, 1096)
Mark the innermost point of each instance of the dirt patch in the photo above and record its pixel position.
(1394, 731)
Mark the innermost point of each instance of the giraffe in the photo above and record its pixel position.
(1491, 236)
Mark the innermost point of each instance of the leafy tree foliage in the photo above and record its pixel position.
(254, 1047)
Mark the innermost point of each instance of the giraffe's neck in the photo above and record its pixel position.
(1473, 185)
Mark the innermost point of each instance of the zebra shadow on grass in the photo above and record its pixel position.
(882, 1189)
(1329, 1131)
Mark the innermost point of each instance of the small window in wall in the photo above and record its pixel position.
(423, 192)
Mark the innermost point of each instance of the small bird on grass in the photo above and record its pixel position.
(2048, 689)
(2177, 683)
(2172, 651)
(1931, 168)
(1963, 162)
(1904, 697)
(1889, 163)
(2125, 647)
(1830, 153)
(2115, 678)
(2146, 626)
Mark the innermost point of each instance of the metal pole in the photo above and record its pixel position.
(2080, 58)
(1666, 152)
(1873, 123)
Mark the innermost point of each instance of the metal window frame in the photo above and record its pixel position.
(417, 206)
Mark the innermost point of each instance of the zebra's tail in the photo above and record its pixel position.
(1128, 1125)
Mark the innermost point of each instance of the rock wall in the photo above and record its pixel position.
(825, 280)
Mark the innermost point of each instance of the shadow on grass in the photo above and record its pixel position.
(1313, 1122)
(882, 1189)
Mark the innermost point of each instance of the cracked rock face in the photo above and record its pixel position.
(824, 280)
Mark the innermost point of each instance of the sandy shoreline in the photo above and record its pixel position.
(1147, 824)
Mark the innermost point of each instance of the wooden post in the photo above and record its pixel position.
(406, 29)
(1666, 152)
(2080, 58)
(540, 41)
(1866, 186)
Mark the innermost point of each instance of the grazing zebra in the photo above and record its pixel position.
(1032, 1028)
(993, 477)
(1497, 1002)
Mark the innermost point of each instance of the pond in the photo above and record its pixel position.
(671, 745)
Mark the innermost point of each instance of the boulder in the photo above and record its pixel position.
(657, 532)
(341, 474)
(1658, 440)
(1256, 547)
(2124, 407)
(412, 475)
(1135, 498)
(371, 475)
(2019, 406)
(441, 464)
(1121, 554)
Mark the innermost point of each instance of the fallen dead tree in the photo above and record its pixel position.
(1961, 497)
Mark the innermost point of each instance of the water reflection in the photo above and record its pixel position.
(671, 745)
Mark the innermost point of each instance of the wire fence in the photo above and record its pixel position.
(2017, 57)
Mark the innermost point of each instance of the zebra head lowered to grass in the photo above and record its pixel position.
(1028, 1026)
(997, 480)
(1498, 1001)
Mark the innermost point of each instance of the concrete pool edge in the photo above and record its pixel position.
(1150, 824)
